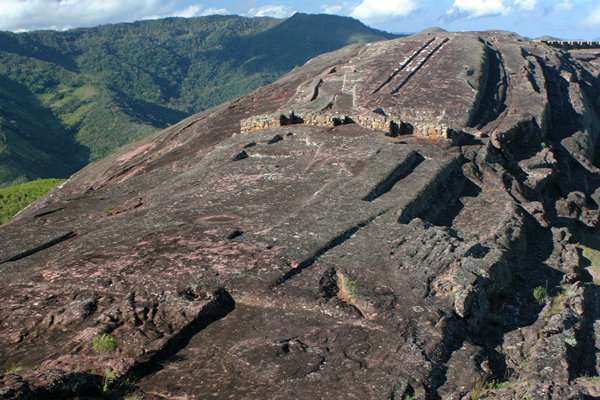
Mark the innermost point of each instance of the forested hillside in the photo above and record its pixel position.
(15, 198)
(68, 98)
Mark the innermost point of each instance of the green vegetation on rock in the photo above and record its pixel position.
(13, 199)
(104, 344)
(68, 98)
(591, 255)
(541, 294)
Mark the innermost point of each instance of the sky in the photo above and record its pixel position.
(565, 19)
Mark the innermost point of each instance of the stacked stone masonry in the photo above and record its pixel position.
(572, 44)
(374, 122)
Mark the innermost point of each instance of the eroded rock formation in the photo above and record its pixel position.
(373, 228)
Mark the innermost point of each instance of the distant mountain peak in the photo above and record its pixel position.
(432, 30)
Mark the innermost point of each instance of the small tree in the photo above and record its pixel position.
(109, 377)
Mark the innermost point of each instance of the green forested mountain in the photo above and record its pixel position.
(68, 98)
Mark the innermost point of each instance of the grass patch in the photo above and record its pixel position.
(15, 198)
(74, 118)
(13, 368)
(593, 380)
(556, 306)
(85, 92)
(591, 255)
(479, 386)
(134, 397)
(484, 383)
(556, 302)
(496, 385)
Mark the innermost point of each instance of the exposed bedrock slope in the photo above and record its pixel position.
(374, 227)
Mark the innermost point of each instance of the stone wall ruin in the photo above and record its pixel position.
(572, 44)
(393, 126)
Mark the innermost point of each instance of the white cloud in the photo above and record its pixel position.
(191, 11)
(340, 9)
(563, 6)
(272, 11)
(480, 8)
(526, 4)
(21, 15)
(18, 15)
(593, 19)
(374, 11)
(335, 9)
(196, 11)
(213, 11)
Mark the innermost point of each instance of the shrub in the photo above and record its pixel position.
(104, 344)
(541, 294)
(109, 376)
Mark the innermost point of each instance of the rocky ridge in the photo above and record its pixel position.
(375, 227)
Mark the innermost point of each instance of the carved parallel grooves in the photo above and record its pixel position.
(418, 67)
(39, 248)
(403, 64)
(333, 243)
(400, 172)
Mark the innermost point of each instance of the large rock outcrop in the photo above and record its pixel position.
(372, 225)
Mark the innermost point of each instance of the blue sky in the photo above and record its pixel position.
(569, 19)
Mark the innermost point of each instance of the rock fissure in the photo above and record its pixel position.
(336, 241)
(43, 214)
(400, 172)
(41, 247)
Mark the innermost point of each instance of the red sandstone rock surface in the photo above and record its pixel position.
(370, 226)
